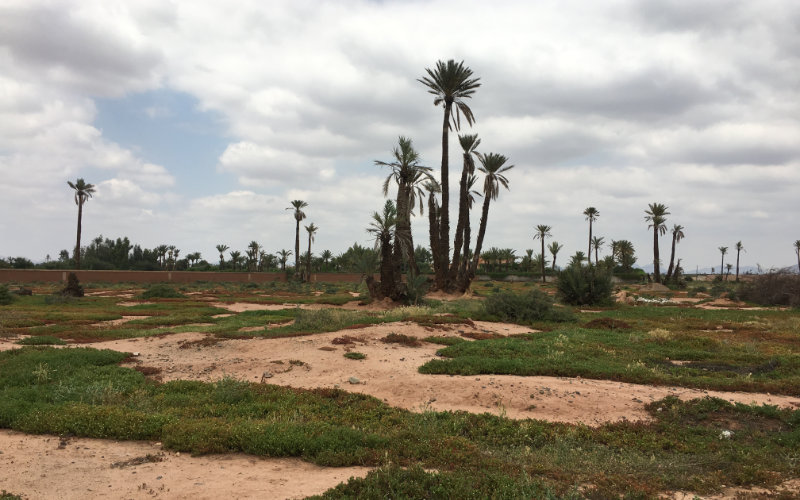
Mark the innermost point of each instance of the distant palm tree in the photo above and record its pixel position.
(175, 254)
(170, 253)
(739, 247)
(326, 256)
(297, 206)
(728, 267)
(656, 216)
(597, 243)
(221, 249)
(382, 227)
(493, 166)
(723, 251)
(312, 230)
(554, 247)
(797, 252)
(451, 83)
(235, 256)
(591, 214)
(161, 251)
(83, 191)
(283, 256)
(252, 255)
(542, 232)
(677, 236)
(625, 254)
(577, 259)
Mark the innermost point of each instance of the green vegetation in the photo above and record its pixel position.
(355, 355)
(5, 296)
(161, 291)
(83, 392)
(534, 305)
(585, 285)
(41, 340)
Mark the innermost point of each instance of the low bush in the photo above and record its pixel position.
(41, 340)
(161, 291)
(773, 289)
(534, 305)
(5, 296)
(585, 286)
(355, 355)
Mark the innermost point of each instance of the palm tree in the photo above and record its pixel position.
(170, 253)
(466, 255)
(252, 255)
(554, 247)
(797, 251)
(597, 243)
(656, 216)
(409, 175)
(625, 254)
(326, 256)
(577, 259)
(235, 256)
(221, 249)
(739, 247)
(493, 167)
(723, 251)
(728, 267)
(297, 206)
(312, 230)
(283, 256)
(83, 191)
(543, 231)
(591, 214)
(677, 236)
(451, 83)
(161, 251)
(382, 227)
(432, 187)
(469, 144)
(175, 254)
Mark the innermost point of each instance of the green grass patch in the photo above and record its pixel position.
(41, 340)
(355, 355)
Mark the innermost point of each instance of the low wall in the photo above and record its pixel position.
(86, 276)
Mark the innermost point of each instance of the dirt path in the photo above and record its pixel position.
(78, 468)
(389, 373)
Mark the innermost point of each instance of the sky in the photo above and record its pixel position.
(200, 121)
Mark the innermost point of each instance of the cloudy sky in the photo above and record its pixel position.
(199, 121)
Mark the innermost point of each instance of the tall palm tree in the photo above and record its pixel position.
(466, 254)
(432, 187)
(469, 144)
(591, 214)
(409, 176)
(625, 254)
(326, 256)
(723, 251)
(175, 254)
(83, 191)
(656, 215)
(252, 255)
(222, 249)
(677, 236)
(554, 247)
(451, 83)
(797, 252)
(297, 206)
(542, 231)
(312, 230)
(161, 251)
(597, 243)
(493, 166)
(739, 247)
(283, 256)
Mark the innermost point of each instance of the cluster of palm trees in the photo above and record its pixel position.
(297, 208)
(728, 267)
(451, 83)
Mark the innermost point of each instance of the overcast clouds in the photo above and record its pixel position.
(613, 104)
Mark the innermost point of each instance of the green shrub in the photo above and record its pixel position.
(354, 355)
(585, 286)
(161, 291)
(41, 340)
(534, 305)
(773, 289)
(5, 296)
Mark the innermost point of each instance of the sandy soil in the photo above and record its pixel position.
(389, 373)
(77, 468)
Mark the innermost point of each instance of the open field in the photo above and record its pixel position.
(439, 399)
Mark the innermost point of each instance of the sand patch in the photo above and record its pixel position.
(79, 468)
(134, 303)
(116, 322)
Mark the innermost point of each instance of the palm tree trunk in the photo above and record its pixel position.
(589, 253)
(596, 261)
(78, 242)
(554, 262)
(543, 274)
(481, 234)
(404, 241)
(433, 222)
(671, 258)
(737, 265)
(297, 249)
(444, 219)
(387, 267)
(308, 260)
(656, 270)
(463, 218)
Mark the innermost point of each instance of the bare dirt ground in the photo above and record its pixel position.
(77, 468)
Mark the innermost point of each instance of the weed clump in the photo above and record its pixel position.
(355, 355)
(41, 340)
(607, 324)
(73, 288)
(660, 334)
(534, 305)
(399, 338)
(585, 286)
(161, 291)
(773, 289)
